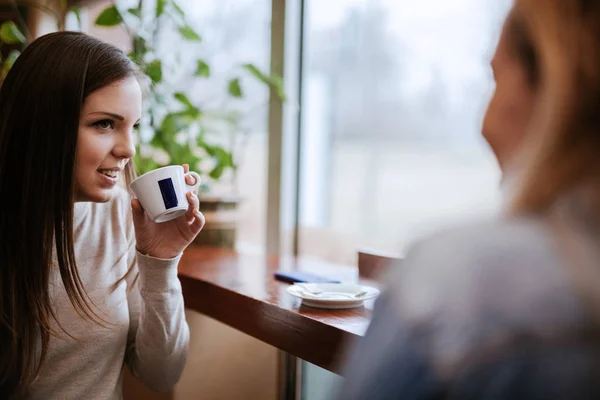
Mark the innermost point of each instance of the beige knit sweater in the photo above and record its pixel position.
(146, 328)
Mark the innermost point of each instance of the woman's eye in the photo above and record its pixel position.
(104, 124)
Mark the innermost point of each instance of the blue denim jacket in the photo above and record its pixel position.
(484, 312)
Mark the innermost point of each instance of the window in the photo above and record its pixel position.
(393, 96)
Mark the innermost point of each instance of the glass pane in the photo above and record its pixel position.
(318, 383)
(394, 94)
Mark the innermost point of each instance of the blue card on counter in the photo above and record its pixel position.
(302, 277)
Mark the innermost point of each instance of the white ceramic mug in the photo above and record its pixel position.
(162, 192)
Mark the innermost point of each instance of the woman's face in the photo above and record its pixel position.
(511, 107)
(105, 141)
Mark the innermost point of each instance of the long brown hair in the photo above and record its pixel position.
(558, 44)
(40, 103)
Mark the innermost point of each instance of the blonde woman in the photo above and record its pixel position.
(510, 308)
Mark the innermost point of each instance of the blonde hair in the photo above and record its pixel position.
(558, 44)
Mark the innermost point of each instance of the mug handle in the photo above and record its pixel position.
(196, 185)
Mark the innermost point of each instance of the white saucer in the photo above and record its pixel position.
(332, 295)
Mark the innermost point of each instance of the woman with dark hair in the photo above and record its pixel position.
(510, 308)
(87, 282)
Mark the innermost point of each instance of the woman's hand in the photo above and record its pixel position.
(168, 239)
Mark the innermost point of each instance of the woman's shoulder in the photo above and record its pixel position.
(476, 252)
(492, 280)
(484, 249)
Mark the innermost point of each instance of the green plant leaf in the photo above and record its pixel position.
(277, 84)
(191, 112)
(11, 34)
(10, 59)
(77, 12)
(158, 141)
(183, 99)
(144, 164)
(188, 115)
(8, 62)
(234, 88)
(182, 154)
(177, 8)
(189, 33)
(154, 71)
(172, 124)
(135, 12)
(202, 69)
(160, 7)
(140, 48)
(217, 172)
(133, 56)
(222, 156)
(257, 73)
(109, 17)
(63, 5)
(274, 81)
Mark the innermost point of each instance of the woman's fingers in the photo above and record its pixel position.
(137, 211)
(136, 207)
(199, 221)
(190, 180)
(194, 205)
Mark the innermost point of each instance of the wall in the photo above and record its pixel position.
(223, 364)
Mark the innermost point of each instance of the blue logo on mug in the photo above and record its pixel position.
(168, 193)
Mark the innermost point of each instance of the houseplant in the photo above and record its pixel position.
(14, 31)
(12, 36)
(175, 129)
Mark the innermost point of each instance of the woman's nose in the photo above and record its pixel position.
(125, 148)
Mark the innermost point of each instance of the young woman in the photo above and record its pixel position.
(87, 282)
(510, 308)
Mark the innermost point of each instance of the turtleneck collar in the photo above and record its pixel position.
(80, 211)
